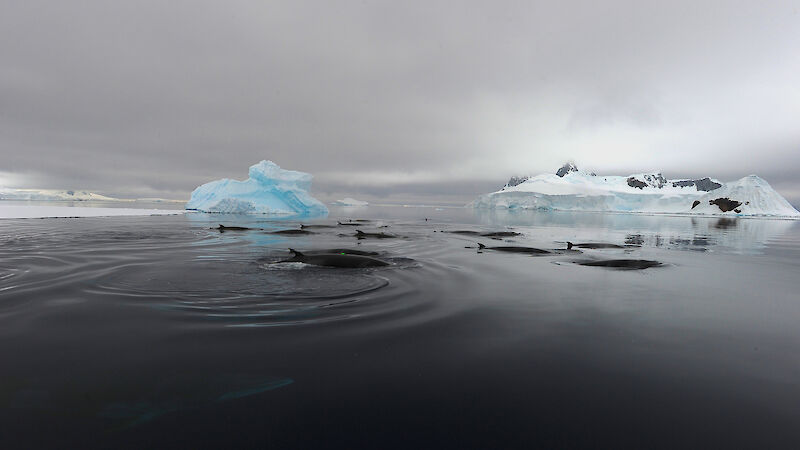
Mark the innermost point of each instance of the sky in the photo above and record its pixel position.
(395, 100)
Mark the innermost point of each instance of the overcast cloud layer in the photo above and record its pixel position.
(424, 100)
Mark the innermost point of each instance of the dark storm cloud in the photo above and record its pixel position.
(382, 98)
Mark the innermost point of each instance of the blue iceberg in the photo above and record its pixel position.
(269, 190)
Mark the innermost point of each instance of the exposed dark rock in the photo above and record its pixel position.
(725, 204)
(683, 183)
(515, 181)
(633, 182)
(657, 180)
(706, 185)
(696, 202)
(566, 168)
(703, 184)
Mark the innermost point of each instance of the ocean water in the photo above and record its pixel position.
(161, 332)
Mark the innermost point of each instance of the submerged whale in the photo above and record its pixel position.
(335, 260)
(362, 235)
(186, 392)
(514, 249)
(592, 245)
(623, 263)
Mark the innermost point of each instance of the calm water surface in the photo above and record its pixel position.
(161, 332)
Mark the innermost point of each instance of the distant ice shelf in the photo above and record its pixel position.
(42, 211)
(53, 195)
(573, 190)
(269, 190)
(347, 201)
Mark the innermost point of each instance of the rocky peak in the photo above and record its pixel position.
(566, 168)
(515, 180)
(655, 180)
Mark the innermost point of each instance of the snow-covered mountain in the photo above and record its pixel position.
(573, 190)
(51, 195)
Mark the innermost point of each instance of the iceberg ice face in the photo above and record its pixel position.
(269, 190)
(644, 192)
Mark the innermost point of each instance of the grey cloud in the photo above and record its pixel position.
(154, 98)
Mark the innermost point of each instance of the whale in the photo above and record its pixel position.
(292, 232)
(222, 228)
(623, 263)
(346, 251)
(515, 249)
(490, 234)
(362, 235)
(315, 226)
(335, 260)
(592, 245)
(499, 234)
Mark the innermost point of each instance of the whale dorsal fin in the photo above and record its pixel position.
(481, 246)
(360, 232)
(296, 253)
(569, 245)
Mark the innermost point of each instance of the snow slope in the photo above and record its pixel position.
(269, 190)
(643, 192)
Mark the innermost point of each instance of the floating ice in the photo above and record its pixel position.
(269, 190)
(573, 190)
(348, 201)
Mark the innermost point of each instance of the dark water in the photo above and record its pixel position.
(159, 332)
